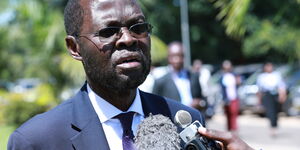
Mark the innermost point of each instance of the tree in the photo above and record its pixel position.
(208, 39)
(267, 29)
(32, 44)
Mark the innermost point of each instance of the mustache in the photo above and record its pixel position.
(112, 47)
(137, 54)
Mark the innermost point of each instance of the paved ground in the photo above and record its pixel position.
(255, 131)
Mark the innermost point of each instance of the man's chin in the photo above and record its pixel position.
(131, 82)
(121, 83)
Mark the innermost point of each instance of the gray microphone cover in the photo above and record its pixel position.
(157, 132)
(183, 118)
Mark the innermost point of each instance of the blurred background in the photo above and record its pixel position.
(36, 72)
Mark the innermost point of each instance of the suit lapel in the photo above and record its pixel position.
(85, 121)
(173, 88)
(158, 105)
(154, 105)
(92, 137)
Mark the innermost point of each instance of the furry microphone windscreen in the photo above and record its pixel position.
(157, 132)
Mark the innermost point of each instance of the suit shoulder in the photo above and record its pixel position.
(163, 78)
(161, 83)
(54, 120)
(53, 125)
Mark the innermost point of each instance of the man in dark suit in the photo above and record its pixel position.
(179, 83)
(111, 38)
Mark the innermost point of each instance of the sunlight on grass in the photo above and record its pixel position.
(5, 131)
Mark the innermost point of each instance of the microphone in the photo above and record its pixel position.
(190, 136)
(183, 118)
(157, 132)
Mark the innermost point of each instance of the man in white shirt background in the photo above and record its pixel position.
(272, 92)
(179, 83)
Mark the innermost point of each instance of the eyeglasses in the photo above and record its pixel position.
(139, 30)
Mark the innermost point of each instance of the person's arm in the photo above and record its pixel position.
(195, 86)
(259, 96)
(282, 96)
(259, 92)
(282, 92)
(229, 140)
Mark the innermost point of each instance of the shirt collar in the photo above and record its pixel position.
(107, 111)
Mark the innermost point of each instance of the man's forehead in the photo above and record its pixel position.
(175, 48)
(107, 2)
(113, 4)
(110, 9)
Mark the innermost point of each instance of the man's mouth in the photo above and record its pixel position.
(129, 62)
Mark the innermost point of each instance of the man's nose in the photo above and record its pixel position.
(125, 39)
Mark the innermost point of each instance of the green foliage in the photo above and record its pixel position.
(17, 112)
(16, 108)
(208, 39)
(33, 40)
(267, 29)
(4, 136)
(158, 51)
(164, 17)
(73, 69)
(269, 38)
(233, 14)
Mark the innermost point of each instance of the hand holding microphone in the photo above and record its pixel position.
(229, 141)
(190, 135)
(157, 132)
(196, 137)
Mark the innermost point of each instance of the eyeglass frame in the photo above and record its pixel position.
(116, 35)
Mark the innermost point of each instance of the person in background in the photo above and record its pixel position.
(179, 83)
(272, 92)
(229, 82)
(204, 77)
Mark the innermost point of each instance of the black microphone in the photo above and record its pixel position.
(157, 132)
(190, 136)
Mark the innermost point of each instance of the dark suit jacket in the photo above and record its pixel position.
(74, 124)
(165, 86)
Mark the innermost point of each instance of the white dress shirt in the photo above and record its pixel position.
(270, 82)
(229, 81)
(112, 127)
(183, 85)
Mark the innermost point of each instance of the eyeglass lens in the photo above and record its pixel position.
(138, 30)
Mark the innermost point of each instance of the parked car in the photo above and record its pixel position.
(292, 104)
(247, 92)
(25, 84)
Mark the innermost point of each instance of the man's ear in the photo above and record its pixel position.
(73, 47)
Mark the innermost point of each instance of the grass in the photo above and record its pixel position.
(5, 131)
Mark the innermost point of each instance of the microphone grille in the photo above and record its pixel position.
(183, 118)
(157, 132)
